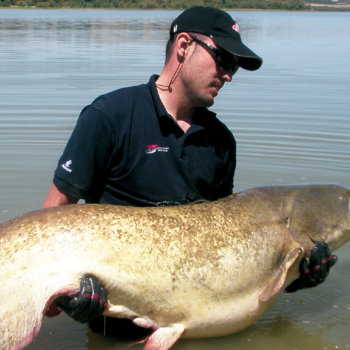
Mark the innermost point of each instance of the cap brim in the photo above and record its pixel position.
(247, 58)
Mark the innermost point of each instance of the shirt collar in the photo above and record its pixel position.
(160, 109)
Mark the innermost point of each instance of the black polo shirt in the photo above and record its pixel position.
(127, 150)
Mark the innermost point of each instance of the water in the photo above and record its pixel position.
(290, 120)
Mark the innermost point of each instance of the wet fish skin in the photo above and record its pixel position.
(198, 270)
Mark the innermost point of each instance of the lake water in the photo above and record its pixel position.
(291, 120)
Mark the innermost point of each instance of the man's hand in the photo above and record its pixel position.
(313, 274)
(88, 305)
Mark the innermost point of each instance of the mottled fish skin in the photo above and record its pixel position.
(198, 270)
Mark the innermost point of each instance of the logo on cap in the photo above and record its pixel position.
(175, 28)
(236, 27)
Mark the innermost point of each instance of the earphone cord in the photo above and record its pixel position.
(168, 87)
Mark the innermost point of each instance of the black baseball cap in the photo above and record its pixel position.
(221, 28)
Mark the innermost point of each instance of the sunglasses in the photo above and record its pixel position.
(224, 59)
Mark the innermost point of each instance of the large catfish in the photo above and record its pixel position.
(199, 270)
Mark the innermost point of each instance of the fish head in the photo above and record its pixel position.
(321, 212)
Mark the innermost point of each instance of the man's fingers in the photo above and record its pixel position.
(314, 273)
(88, 305)
(66, 302)
(318, 262)
(102, 303)
(321, 261)
(332, 260)
(305, 278)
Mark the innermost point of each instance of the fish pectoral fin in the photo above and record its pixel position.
(119, 311)
(164, 337)
(144, 322)
(277, 283)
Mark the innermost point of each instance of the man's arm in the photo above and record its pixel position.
(55, 197)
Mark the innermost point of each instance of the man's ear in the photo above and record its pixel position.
(183, 40)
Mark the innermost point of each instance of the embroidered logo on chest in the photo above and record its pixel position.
(155, 148)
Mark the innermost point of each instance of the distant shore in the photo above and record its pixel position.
(333, 6)
(230, 5)
(343, 7)
(329, 5)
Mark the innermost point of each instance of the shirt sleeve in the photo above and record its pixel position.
(225, 187)
(82, 166)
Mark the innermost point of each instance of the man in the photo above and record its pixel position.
(157, 144)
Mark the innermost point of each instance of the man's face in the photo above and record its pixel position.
(201, 74)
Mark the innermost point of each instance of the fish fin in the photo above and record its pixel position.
(164, 337)
(276, 284)
(144, 323)
(139, 342)
(120, 311)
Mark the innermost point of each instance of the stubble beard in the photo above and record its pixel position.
(199, 100)
(195, 90)
(197, 94)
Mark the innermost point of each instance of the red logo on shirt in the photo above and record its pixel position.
(155, 148)
(151, 149)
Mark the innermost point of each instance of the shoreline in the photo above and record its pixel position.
(314, 7)
(339, 6)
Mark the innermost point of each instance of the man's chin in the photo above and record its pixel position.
(207, 102)
(210, 102)
(201, 101)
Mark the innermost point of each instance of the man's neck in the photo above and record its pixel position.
(175, 103)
